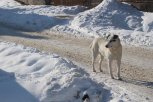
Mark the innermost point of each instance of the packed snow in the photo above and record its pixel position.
(134, 27)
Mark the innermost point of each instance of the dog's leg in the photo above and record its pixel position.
(118, 69)
(93, 66)
(110, 68)
(100, 62)
(93, 60)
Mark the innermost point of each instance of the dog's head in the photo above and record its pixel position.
(113, 41)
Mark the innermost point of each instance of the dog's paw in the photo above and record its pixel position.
(112, 77)
(119, 78)
(94, 70)
(101, 70)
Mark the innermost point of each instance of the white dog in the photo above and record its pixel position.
(110, 48)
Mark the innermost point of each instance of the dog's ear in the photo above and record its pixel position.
(115, 36)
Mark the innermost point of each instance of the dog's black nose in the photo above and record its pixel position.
(106, 46)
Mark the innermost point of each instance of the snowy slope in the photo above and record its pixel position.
(27, 75)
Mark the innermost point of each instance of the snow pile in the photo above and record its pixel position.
(110, 14)
(27, 75)
(148, 22)
(134, 27)
(9, 3)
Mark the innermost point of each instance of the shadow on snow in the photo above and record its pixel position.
(139, 82)
(11, 91)
(5, 31)
(15, 18)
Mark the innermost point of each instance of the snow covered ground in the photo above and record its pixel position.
(133, 26)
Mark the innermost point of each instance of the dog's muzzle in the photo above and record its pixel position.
(108, 46)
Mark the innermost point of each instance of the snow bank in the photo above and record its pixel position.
(134, 27)
(35, 18)
(43, 9)
(47, 10)
(32, 22)
(27, 75)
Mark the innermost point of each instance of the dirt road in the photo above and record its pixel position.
(136, 67)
